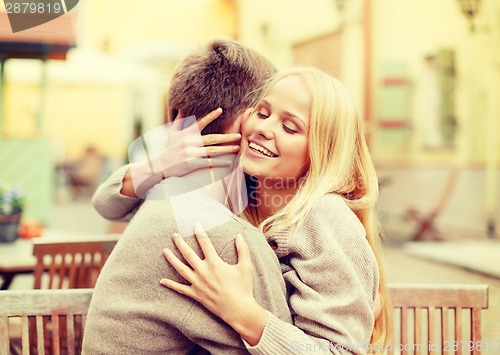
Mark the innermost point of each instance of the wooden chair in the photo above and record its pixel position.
(416, 331)
(438, 319)
(74, 264)
(61, 309)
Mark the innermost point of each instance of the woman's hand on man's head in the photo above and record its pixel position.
(187, 148)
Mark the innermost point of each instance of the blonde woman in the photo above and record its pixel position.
(313, 191)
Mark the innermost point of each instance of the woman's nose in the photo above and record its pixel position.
(265, 128)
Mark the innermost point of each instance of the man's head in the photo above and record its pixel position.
(224, 74)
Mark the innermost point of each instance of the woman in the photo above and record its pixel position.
(313, 193)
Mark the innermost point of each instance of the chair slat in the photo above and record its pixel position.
(25, 331)
(4, 335)
(70, 321)
(40, 335)
(52, 271)
(55, 334)
(72, 271)
(62, 270)
(475, 327)
(458, 329)
(418, 329)
(444, 328)
(431, 328)
(404, 327)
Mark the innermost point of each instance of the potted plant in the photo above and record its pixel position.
(11, 208)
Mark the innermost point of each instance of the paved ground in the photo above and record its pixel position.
(475, 255)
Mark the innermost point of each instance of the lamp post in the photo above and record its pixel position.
(470, 8)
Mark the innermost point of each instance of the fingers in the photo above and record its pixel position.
(178, 287)
(214, 139)
(205, 121)
(216, 150)
(186, 252)
(212, 151)
(183, 270)
(243, 251)
(196, 164)
(204, 241)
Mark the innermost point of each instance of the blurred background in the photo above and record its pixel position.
(75, 91)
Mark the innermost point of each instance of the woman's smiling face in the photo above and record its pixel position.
(274, 136)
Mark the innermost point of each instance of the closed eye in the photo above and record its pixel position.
(261, 115)
(288, 129)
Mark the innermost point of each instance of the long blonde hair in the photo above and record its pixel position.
(340, 163)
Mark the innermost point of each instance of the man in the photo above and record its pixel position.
(130, 311)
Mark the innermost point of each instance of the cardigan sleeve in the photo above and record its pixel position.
(110, 203)
(332, 279)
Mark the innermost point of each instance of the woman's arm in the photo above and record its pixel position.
(110, 202)
(332, 276)
(333, 283)
(119, 197)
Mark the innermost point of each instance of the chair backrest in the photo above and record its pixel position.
(52, 321)
(437, 319)
(74, 264)
(424, 315)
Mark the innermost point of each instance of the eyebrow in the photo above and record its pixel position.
(286, 113)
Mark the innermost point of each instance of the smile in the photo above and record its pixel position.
(261, 150)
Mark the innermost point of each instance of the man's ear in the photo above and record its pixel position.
(179, 115)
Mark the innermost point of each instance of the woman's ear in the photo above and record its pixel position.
(248, 112)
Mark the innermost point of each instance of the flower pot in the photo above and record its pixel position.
(9, 223)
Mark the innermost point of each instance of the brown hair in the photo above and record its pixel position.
(224, 74)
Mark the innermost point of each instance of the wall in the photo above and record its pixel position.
(404, 33)
(273, 27)
(116, 25)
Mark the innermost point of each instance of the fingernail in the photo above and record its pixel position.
(176, 236)
(198, 227)
(236, 147)
(237, 136)
(166, 251)
(219, 109)
(164, 282)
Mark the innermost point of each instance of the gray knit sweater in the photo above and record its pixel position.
(329, 269)
(131, 313)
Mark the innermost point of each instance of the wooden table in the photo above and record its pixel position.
(17, 257)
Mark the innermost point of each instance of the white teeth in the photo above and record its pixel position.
(261, 150)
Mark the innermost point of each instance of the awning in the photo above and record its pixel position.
(50, 40)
